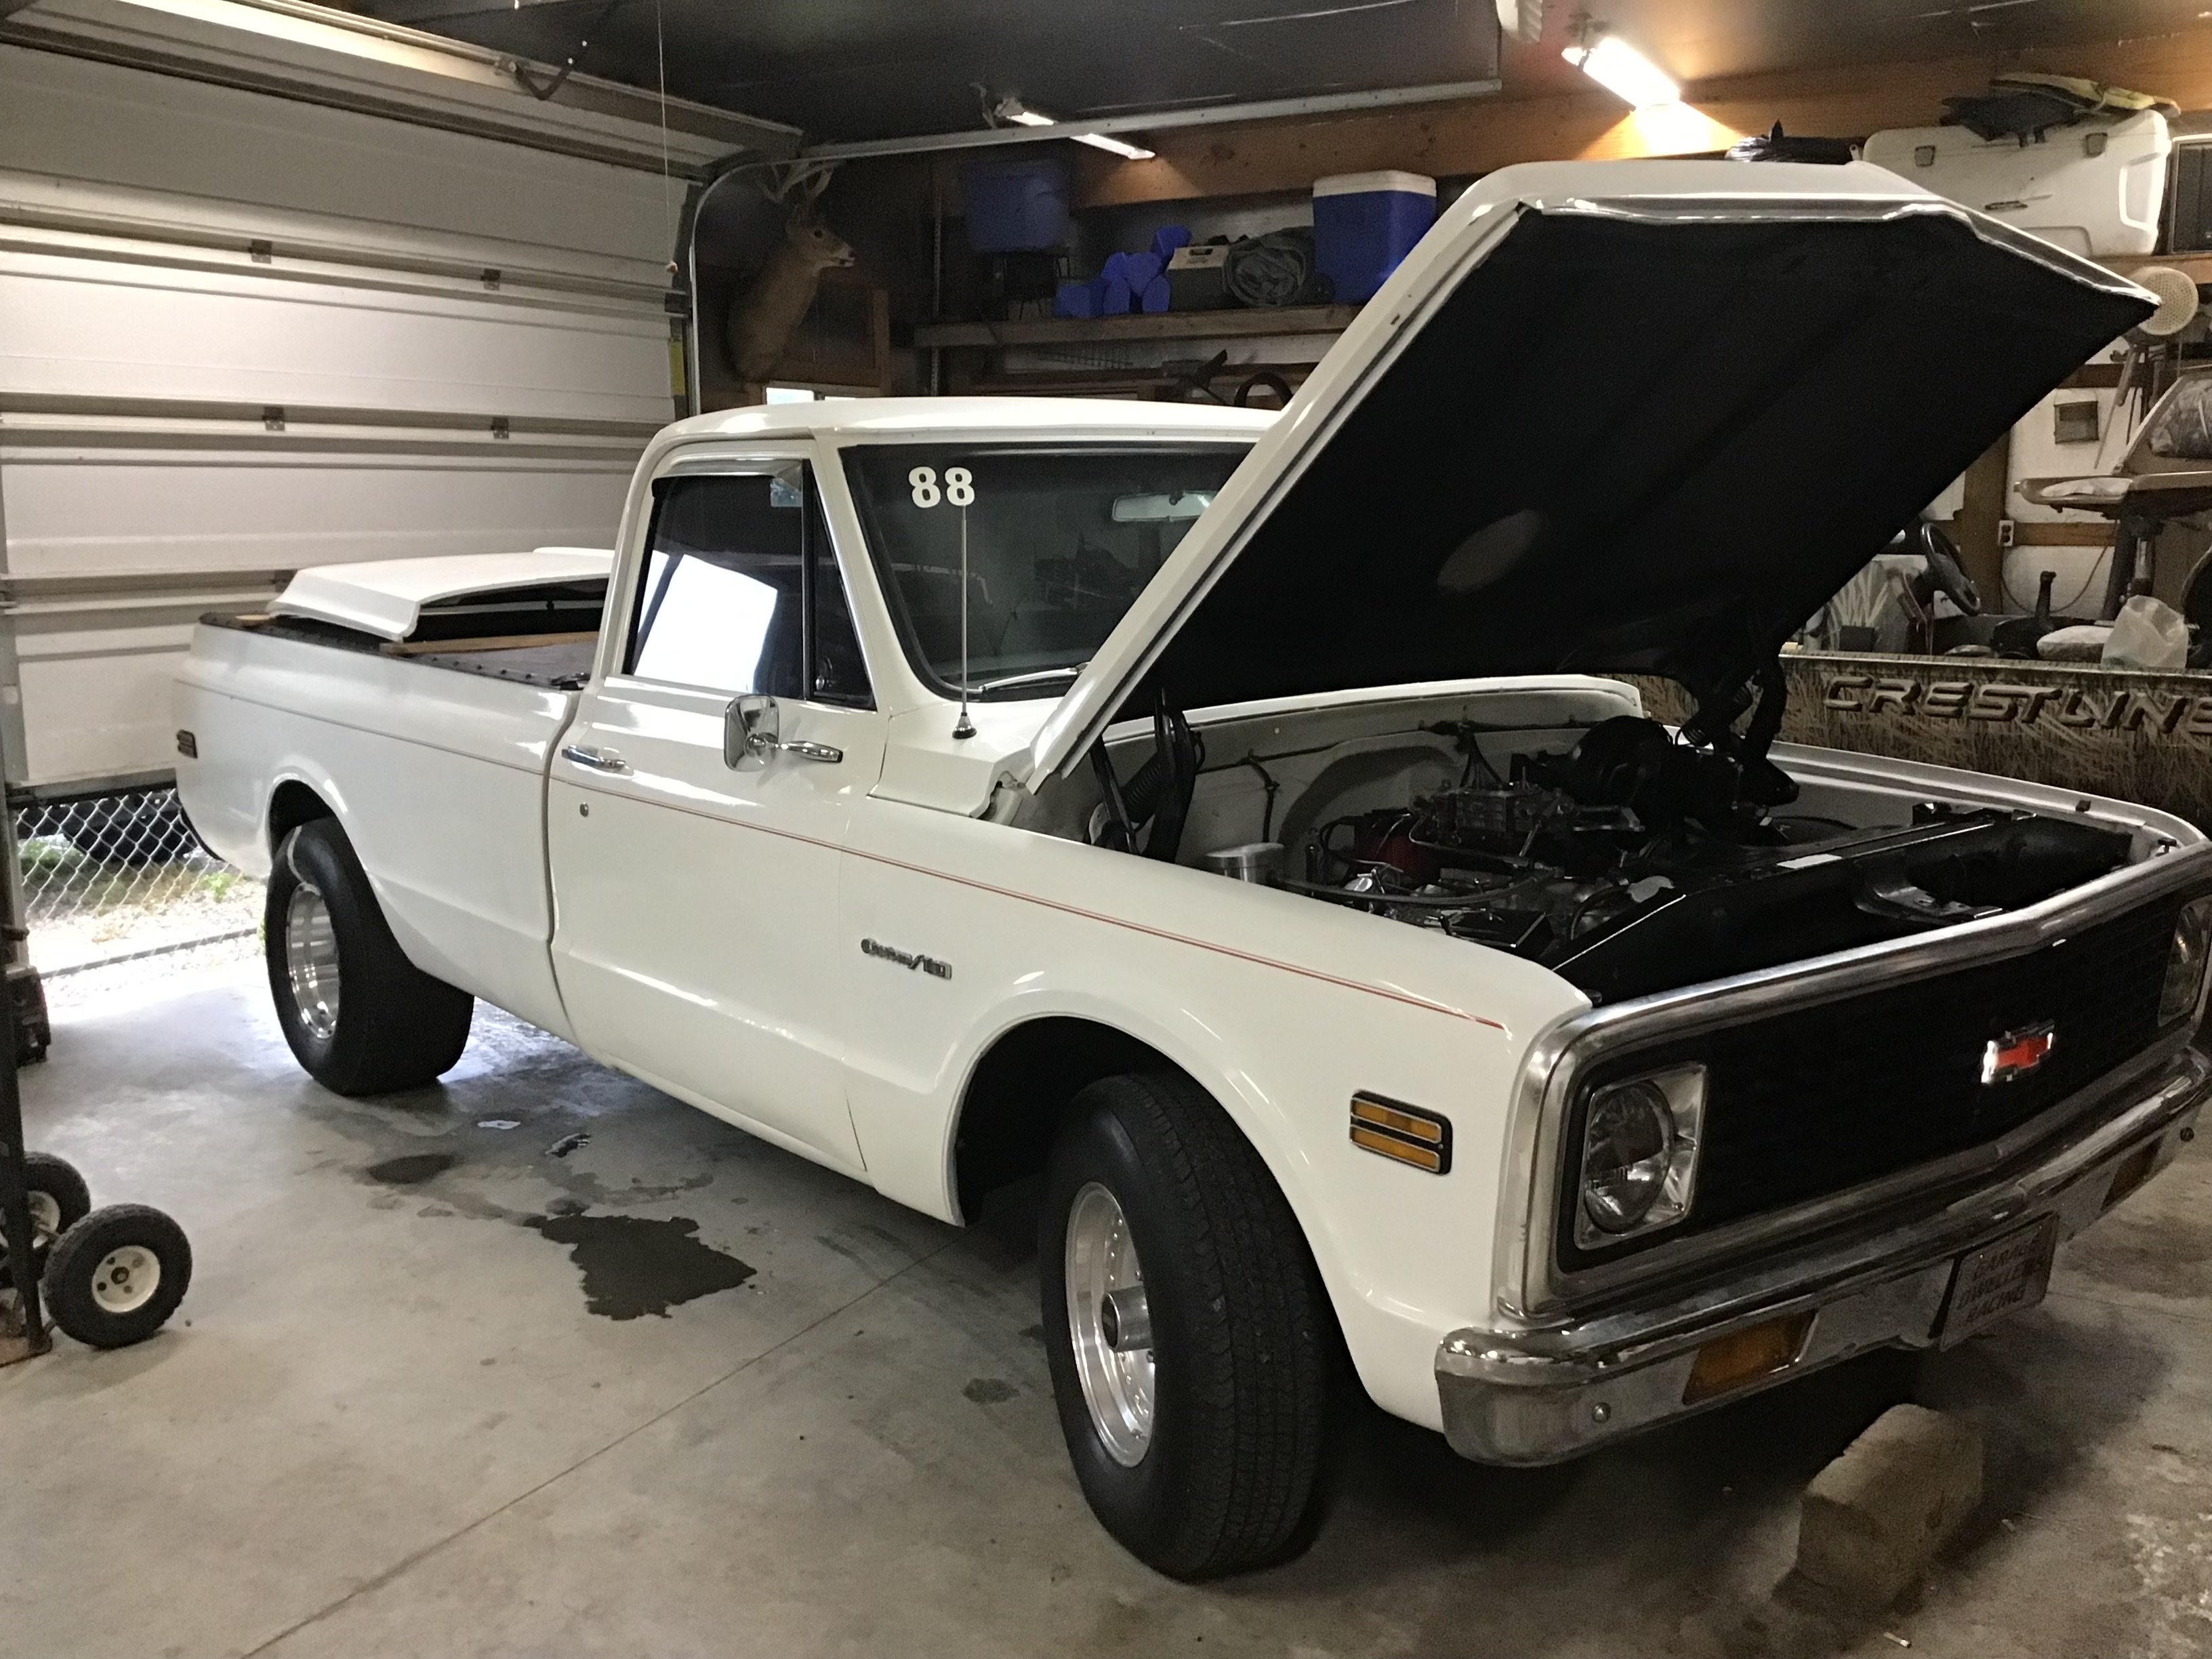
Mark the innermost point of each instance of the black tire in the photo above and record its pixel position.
(134, 832)
(1245, 1341)
(394, 1027)
(91, 1291)
(66, 1198)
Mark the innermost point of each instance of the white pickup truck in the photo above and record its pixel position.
(1219, 819)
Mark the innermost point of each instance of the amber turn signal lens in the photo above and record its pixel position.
(1730, 1362)
(1397, 1131)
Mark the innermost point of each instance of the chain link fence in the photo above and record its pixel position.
(115, 878)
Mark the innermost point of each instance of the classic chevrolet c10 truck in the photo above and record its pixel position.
(1220, 823)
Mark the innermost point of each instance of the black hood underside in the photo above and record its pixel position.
(1638, 446)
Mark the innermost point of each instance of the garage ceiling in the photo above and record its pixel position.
(847, 69)
(1700, 40)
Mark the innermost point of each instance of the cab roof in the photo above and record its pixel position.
(861, 419)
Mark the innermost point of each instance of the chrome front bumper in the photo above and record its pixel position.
(1539, 1396)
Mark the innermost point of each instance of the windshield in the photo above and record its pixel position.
(1058, 540)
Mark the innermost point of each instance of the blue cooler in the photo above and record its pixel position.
(1016, 206)
(1365, 223)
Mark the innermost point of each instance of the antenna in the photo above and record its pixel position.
(963, 727)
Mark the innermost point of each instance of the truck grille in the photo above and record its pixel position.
(1820, 1099)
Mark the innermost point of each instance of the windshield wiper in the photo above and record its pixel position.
(1034, 677)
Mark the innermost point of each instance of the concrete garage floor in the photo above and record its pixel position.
(397, 1417)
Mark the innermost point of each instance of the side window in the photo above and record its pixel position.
(740, 594)
(718, 605)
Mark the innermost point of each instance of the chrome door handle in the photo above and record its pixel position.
(807, 749)
(600, 760)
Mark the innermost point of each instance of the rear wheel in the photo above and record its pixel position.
(1191, 1344)
(360, 1017)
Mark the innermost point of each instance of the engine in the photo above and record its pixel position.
(1639, 860)
(1564, 848)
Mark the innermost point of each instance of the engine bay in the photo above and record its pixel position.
(1635, 861)
(1635, 852)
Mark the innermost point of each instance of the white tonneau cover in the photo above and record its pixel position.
(385, 596)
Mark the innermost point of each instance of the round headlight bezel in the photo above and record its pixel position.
(2187, 958)
(1628, 1140)
(1636, 1172)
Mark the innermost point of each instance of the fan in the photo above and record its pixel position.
(2176, 301)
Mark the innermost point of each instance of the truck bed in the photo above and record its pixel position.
(440, 776)
(557, 662)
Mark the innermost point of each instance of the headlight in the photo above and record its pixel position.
(1640, 1166)
(2185, 962)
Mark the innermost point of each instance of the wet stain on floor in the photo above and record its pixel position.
(989, 1390)
(411, 1168)
(633, 1265)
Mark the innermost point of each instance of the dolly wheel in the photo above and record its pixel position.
(115, 1277)
(59, 1200)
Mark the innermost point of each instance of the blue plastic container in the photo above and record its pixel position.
(1016, 206)
(1365, 223)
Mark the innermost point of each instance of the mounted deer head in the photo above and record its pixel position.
(764, 314)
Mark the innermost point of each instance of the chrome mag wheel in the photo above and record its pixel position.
(1109, 1323)
(311, 961)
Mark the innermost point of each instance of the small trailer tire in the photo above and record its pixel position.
(115, 1277)
(59, 1199)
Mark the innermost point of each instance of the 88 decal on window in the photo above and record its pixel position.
(959, 486)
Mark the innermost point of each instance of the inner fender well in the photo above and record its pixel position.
(291, 805)
(1011, 1111)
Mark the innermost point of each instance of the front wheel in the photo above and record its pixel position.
(1192, 1345)
(116, 1276)
(361, 1018)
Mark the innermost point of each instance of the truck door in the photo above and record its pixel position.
(696, 889)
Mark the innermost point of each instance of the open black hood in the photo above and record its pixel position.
(1638, 442)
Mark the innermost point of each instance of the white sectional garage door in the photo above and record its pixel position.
(240, 335)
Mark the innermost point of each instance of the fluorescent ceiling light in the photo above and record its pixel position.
(1624, 71)
(1012, 109)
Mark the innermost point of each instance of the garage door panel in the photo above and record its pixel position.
(93, 328)
(77, 511)
(97, 657)
(178, 257)
(80, 120)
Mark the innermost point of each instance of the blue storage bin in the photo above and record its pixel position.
(1365, 223)
(1017, 205)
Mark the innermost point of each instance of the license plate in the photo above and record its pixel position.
(2001, 1278)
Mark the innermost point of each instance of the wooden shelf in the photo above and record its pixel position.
(2197, 265)
(1156, 326)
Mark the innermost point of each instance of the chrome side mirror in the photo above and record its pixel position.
(750, 732)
